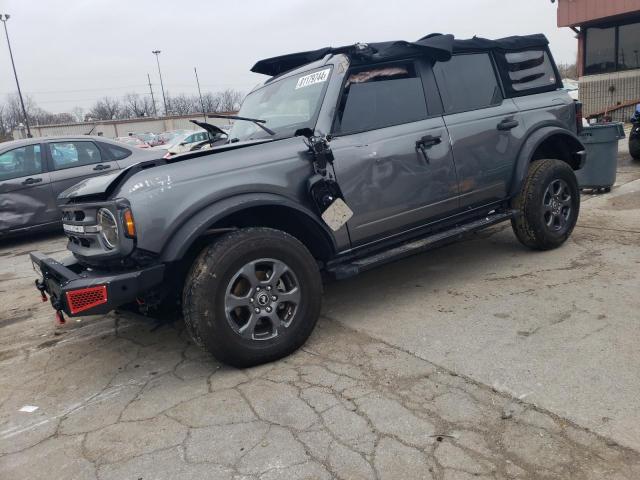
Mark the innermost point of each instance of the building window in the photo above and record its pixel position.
(629, 47)
(611, 49)
(601, 50)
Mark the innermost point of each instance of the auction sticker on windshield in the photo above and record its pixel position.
(312, 79)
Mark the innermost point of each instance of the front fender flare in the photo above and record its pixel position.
(185, 235)
(531, 145)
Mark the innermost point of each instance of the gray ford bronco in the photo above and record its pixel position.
(344, 159)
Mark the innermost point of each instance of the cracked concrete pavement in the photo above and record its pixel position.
(478, 360)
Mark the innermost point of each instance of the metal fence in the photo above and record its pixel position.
(609, 93)
(121, 128)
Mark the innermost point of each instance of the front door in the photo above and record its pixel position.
(73, 161)
(26, 197)
(393, 160)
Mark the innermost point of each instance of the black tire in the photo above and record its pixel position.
(544, 220)
(634, 148)
(213, 284)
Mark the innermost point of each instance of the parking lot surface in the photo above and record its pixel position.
(480, 360)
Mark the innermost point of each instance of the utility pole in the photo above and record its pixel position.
(153, 99)
(164, 99)
(204, 114)
(3, 19)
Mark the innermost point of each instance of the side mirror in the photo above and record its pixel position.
(182, 144)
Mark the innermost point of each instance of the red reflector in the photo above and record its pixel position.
(86, 298)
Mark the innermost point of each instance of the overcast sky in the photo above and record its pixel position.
(72, 52)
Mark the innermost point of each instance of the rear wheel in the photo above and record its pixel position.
(252, 296)
(547, 206)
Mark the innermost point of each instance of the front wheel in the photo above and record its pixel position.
(548, 205)
(634, 147)
(252, 296)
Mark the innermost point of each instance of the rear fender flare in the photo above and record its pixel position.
(185, 236)
(530, 147)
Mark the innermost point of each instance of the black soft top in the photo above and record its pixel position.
(437, 46)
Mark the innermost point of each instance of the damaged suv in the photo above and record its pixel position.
(344, 159)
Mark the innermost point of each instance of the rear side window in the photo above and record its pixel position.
(468, 82)
(118, 153)
(20, 162)
(74, 154)
(380, 97)
(528, 71)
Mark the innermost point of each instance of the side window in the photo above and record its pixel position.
(73, 154)
(380, 97)
(467, 82)
(528, 71)
(118, 153)
(20, 162)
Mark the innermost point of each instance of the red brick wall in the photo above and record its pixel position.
(578, 12)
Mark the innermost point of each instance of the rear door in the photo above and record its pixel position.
(26, 196)
(392, 154)
(486, 129)
(74, 160)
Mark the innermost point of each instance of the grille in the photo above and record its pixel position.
(86, 298)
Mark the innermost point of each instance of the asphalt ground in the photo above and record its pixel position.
(479, 360)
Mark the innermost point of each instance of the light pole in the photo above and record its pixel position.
(3, 19)
(164, 99)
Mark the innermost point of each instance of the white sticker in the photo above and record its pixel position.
(312, 79)
(73, 228)
(337, 214)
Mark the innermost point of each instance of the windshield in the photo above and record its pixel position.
(287, 105)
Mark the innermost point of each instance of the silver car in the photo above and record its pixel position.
(34, 171)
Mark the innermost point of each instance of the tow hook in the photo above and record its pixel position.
(40, 286)
(60, 320)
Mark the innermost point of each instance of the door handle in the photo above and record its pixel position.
(508, 124)
(428, 141)
(425, 143)
(101, 167)
(31, 181)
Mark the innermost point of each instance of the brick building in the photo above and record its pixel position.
(608, 33)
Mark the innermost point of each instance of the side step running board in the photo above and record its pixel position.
(346, 270)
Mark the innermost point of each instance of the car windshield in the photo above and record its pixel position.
(286, 105)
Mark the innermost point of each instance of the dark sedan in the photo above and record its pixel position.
(34, 171)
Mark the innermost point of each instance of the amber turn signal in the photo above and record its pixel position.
(129, 224)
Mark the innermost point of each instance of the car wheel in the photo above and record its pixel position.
(252, 296)
(548, 205)
(634, 148)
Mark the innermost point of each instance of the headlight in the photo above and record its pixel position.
(108, 227)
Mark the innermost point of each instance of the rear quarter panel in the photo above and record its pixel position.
(547, 109)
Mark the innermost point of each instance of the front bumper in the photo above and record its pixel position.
(79, 291)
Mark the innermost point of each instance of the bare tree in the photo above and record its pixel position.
(136, 105)
(5, 133)
(568, 70)
(78, 114)
(211, 102)
(106, 108)
(183, 104)
(38, 116)
(13, 111)
(230, 100)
